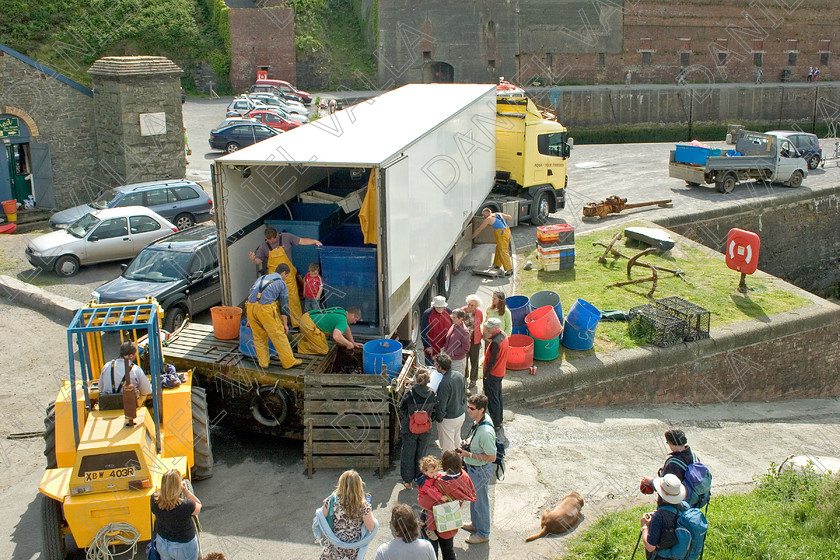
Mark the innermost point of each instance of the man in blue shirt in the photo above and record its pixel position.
(479, 463)
(264, 317)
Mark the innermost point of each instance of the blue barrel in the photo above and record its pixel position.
(519, 330)
(246, 341)
(546, 350)
(547, 297)
(579, 331)
(382, 351)
(519, 308)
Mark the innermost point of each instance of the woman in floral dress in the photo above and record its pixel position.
(350, 511)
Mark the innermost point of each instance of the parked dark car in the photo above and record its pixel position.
(231, 138)
(180, 270)
(806, 143)
(182, 202)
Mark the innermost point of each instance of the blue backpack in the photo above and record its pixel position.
(697, 481)
(690, 532)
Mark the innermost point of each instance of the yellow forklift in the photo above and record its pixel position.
(101, 472)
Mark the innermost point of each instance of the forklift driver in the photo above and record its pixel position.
(112, 377)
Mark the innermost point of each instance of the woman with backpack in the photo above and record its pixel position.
(417, 408)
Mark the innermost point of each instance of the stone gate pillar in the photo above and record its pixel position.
(138, 119)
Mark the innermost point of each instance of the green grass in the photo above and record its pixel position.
(708, 283)
(787, 516)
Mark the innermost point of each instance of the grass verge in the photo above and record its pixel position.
(707, 283)
(790, 516)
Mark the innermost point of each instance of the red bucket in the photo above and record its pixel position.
(543, 323)
(520, 352)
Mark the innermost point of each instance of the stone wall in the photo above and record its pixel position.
(261, 37)
(126, 88)
(63, 116)
(800, 236)
(793, 355)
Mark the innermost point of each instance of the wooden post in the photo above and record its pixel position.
(381, 447)
(742, 286)
(309, 430)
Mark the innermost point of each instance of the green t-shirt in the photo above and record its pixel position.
(330, 319)
(483, 441)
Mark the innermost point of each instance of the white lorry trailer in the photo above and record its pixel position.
(427, 151)
(763, 157)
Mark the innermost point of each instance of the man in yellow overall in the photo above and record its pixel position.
(336, 321)
(269, 322)
(500, 222)
(276, 249)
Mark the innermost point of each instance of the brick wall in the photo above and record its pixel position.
(794, 355)
(64, 120)
(261, 37)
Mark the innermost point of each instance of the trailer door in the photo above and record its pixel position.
(396, 240)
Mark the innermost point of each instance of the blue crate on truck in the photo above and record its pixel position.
(315, 221)
(349, 270)
(694, 154)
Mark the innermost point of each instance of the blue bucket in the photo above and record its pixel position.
(546, 350)
(382, 351)
(519, 308)
(519, 330)
(579, 331)
(246, 341)
(547, 297)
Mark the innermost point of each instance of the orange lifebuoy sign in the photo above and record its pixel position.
(742, 250)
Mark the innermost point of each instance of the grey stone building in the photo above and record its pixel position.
(63, 143)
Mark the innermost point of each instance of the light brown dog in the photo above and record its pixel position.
(562, 518)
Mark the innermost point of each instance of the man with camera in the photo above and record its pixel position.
(479, 453)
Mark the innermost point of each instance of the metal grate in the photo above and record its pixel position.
(655, 325)
(697, 320)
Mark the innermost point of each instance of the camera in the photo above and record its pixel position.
(465, 446)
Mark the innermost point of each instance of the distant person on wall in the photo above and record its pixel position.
(817, 74)
(500, 222)
(276, 249)
(313, 288)
(810, 77)
(316, 324)
(267, 320)
(434, 324)
(628, 79)
(758, 76)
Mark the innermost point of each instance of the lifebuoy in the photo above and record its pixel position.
(742, 250)
(270, 405)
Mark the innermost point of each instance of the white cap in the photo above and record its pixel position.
(439, 301)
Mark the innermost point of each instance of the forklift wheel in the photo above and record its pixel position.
(51, 523)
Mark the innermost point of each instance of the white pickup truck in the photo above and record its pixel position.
(764, 157)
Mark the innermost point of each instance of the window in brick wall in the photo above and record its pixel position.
(427, 55)
(757, 58)
(646, 58)
(792, 59)
(721, 58)
(824, 58)
(491, 64)
(685, 59)
(602, 59)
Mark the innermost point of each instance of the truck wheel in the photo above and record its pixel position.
(445, 279)
(52, 521)
(541, 209)
(727, 184)
(49, 436)
(433, 291)
(795, 179)
(202, 448)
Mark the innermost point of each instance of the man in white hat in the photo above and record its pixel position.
(495, 363)
(659, 523)
(434, 325)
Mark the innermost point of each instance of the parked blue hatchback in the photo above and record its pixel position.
(238, 135)
(182, 202)
(806, 143)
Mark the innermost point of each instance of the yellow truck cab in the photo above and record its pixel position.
(531, 154)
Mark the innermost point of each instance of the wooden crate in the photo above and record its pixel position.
(346, 420)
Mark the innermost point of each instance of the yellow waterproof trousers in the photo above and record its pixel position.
(502, 257)
(266, 324)
(275, 257)
(314, 339)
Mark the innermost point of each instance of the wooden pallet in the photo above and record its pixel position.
(346, 418)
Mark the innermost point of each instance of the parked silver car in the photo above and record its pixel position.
(111, 234)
